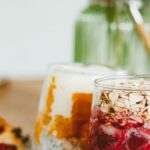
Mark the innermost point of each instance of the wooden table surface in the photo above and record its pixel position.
(19, 103)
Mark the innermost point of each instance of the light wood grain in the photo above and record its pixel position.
(19, 103)
(144, 36)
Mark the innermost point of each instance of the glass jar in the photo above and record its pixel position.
(65, 106)
(120, 117)
(105, 34)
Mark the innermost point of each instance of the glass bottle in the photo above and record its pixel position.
(105, 34)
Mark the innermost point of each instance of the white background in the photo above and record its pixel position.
(34, 33)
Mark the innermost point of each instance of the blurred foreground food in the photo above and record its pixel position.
(11, 138)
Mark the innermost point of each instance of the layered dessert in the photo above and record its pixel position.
(65, 107)
(121, 115)
(11, 138)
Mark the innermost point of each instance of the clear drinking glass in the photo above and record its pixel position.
(65, 106)
(120, 117)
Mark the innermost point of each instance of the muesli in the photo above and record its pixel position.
(121, 118)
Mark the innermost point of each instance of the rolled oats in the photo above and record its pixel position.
(135, 104)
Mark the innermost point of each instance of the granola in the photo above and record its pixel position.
(135, 104)
(120, 117)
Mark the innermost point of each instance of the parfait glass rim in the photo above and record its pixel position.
(80, 68)
(102, 82)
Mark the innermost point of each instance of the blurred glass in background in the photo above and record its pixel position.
(106, 34)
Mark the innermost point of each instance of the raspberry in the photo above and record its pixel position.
(136, 139)
(7, 147)
(146, 147)
(101, 141)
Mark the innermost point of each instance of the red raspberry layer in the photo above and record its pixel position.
(132, 137)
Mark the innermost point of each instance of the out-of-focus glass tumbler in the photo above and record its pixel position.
(105, 34)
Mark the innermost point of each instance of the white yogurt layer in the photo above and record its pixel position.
(70, 80)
